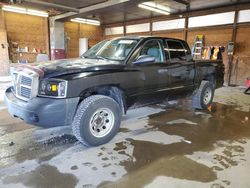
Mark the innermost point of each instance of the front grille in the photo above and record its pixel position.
(25, 84)
(25, 92)
(26, 80)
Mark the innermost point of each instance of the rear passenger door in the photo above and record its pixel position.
(180, 64)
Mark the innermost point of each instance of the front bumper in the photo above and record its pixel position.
(44, 112)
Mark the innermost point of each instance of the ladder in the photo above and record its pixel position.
(198, 47)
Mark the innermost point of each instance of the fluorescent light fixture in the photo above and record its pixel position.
(155, 7)
(25, 11)
(14, 9)
(37, 13)
(86, 21)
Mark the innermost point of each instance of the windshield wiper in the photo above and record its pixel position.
(101, 57)
(95, 57)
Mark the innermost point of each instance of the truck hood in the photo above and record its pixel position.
(76, 65)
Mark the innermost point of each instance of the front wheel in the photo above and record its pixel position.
(203, 97)
(97, 120)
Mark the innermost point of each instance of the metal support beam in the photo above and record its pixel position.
(186, 22)
(102, 5)
(186, 29)
(151, 24)
(108, 3)
(65, 15)
(235, 26)
(182, 2)
(233, 39)
(67, 8)
(124, 23)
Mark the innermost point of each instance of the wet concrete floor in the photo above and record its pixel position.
(157, 146)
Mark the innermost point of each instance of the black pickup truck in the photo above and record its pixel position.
(92, 92)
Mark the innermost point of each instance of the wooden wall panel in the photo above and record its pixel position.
(93, 33)
(4, 55)
(75, 31)
(26, 30)
(2, 21)
(112, 36)
(242, 41)
(220, 37)
(128, 34)
(213, 37)
(139, 34)
(170, 34)
(72, 31)
(241, 69)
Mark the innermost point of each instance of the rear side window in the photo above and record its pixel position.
(176, 50)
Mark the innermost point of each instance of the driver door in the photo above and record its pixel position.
(152, 71)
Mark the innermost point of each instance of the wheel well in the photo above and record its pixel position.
(113, 92)
(211, 78)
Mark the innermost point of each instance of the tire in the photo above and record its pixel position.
(97, 120)
(203, 97)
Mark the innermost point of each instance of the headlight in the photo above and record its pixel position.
(53, 88)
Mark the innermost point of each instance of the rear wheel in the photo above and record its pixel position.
(97, 120)
(203, 97)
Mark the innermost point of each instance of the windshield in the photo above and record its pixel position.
(116, 50)
(91, 53)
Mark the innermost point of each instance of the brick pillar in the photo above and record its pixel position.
(4, 53)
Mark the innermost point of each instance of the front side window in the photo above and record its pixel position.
(152, 49)
(176, 50)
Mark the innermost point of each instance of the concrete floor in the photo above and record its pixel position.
(157, 146)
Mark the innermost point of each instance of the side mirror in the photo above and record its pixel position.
(144, 59)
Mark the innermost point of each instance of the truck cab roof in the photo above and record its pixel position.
(134, 37)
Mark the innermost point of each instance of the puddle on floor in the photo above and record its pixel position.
(43, 176)
(150, 146)
(45, 150)
(202, 129)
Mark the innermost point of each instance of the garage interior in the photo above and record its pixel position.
(161, 145)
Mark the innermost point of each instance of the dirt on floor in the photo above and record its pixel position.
(158, 146)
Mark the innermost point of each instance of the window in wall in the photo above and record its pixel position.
(244, 16)
(168, 25)
(114, 30)
(212, 19)
(138, 28)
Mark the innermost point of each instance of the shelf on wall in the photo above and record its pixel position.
(29, 56)
(25, 52)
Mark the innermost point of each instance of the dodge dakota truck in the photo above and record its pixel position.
(92, 92)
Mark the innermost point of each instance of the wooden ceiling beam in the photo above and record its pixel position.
(54, 5)
(105, 4)
(184, 2)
